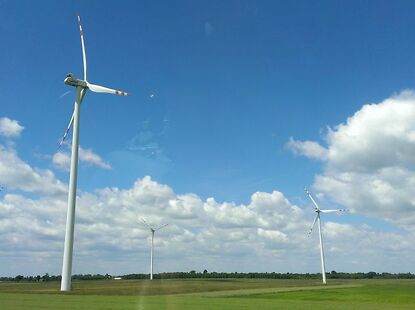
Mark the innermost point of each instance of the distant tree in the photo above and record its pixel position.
(222, 275)
(46, 277)
(19, 278)
(371, 274)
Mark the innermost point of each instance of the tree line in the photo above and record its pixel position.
(217, 275)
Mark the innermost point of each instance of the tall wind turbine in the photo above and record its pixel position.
(317, 218)
(82, 86)
(153, 230)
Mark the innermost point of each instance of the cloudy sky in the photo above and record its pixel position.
(235, 107)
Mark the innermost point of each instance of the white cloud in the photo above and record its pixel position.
(309, 149)
(17, 174)
(369, 166)
(377, 136)
(273, 235)
(62, 160)
(10, 128)
(268, 233)
(89, 157)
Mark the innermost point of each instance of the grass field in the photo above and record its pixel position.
(212, 294)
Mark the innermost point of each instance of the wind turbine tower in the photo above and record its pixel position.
(153, 230)
(317, 218)
(81, 86)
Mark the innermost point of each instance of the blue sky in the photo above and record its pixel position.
(233, 81)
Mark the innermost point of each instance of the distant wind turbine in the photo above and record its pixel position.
(153, 230)
(82, 87)
(317, 218)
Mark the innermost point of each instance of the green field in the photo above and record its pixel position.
(212, 294)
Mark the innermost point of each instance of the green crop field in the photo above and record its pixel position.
(211, 294)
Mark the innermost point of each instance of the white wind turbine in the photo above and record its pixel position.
(317, 218)
(82, 86)
(153, 230)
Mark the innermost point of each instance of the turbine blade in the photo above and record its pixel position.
(82, 94)
(312, 226)
(311, 198)
(67, 130)
(145, 223)
(83, 46)
(102, 89)
(162, 226)
(338, 211)
(79, 96)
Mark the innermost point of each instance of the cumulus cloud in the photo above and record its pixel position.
(369, 161)
(273, 235)
(377, 136)
(62, 160)
(267, 233)
(89, 157)
(108, 221)
(16, 173)
(10, 128)
(309, 149)
(201, 234)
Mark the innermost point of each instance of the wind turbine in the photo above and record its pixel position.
(317, 218)
(82, 86)
(153, 230)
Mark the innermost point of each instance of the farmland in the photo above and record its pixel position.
(212, 294)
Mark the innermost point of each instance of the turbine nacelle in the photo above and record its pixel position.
(73, 81)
